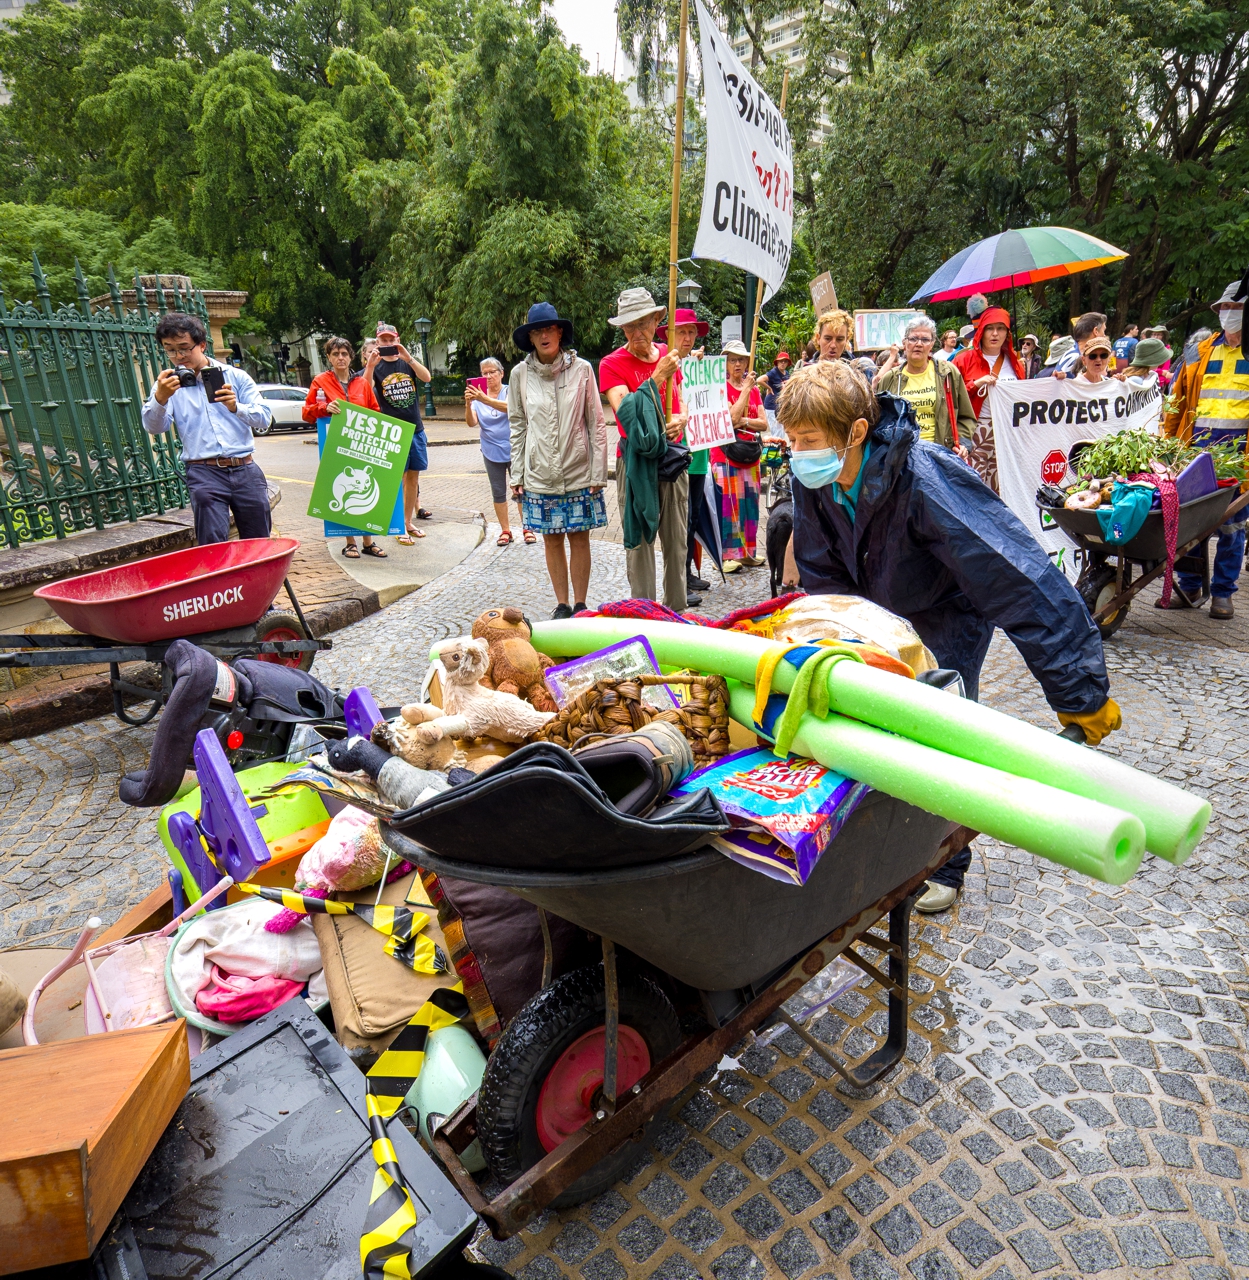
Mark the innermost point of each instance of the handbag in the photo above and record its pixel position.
(745, 451)
(675, 462)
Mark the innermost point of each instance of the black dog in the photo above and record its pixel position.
(780, 528)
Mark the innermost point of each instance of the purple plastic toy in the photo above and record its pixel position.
(361, 712)
(226, 822)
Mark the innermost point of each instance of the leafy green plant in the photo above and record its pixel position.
(789, 331)
(1127, 453)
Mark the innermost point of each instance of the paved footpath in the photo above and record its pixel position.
(1075, 1099)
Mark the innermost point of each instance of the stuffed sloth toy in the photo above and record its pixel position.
(470, 710)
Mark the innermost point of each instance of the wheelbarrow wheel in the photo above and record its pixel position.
(281, 625)
(541, 1080)
(1096, 586)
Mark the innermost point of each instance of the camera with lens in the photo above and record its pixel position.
(186, 377)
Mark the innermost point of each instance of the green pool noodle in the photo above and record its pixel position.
(1174, 820)
(1084, 835)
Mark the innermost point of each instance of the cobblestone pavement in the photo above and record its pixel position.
(1075, 1098)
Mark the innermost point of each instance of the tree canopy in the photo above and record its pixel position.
(347, 159)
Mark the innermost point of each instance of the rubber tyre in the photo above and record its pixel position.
(530, 1047)
(281, 625)
(1096, 586)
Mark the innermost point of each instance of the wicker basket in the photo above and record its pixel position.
(616, 706)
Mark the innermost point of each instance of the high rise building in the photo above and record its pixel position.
(782, 45)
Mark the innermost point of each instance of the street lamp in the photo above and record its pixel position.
(688, 291)
(423, 326)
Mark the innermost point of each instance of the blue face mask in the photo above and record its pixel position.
(815, 468)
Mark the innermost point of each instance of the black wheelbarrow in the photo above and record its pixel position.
(1106, 584)
(591, 1061)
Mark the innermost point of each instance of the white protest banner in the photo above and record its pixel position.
(704, 390)
(874, 330)
(1036, 422)
(748, 194)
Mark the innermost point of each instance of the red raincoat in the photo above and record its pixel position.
(972, 364)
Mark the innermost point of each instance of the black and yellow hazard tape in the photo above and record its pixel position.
(395, 1072)
(389, 1234)
(400, 925)
(388, 1237)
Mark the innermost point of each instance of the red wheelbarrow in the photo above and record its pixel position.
(219, 596)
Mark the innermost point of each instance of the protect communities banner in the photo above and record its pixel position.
(1036, 422)
(747, 216)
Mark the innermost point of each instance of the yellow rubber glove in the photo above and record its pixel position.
(1096, 724)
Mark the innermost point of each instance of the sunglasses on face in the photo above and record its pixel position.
(1101, 355)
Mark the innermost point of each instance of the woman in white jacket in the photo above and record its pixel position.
(559, 450)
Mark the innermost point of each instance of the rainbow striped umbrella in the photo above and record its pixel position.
(1015, 258)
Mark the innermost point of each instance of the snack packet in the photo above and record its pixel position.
(786, 811)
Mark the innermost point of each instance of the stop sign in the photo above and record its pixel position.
(1054, 467)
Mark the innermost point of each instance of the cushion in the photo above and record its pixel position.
(373, 995)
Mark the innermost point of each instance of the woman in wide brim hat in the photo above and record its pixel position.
(540, 315)
(559, 450)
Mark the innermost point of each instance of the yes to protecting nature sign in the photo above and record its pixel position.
(704, 390)
(361, 470)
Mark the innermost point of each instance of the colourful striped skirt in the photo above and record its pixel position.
(739, 508)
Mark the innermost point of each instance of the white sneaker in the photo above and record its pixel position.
(939, 897)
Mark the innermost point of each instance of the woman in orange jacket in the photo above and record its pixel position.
(324, 396)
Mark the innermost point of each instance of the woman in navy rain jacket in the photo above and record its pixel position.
(881, 514)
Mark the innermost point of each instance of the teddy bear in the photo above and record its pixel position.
(470, 710)
(515, 666)
(399, 737)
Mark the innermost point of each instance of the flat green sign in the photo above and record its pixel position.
(361, 470)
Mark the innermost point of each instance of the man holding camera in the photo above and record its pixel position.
(216, 407)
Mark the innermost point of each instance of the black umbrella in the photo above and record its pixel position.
(705, 518)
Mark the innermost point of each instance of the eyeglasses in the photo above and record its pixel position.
(182, 349)
(1100, 355)
(918, 337)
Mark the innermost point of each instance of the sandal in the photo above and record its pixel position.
(406, 540)
(374, 550)
(530, 537)
(424, 513)
(351, 551)
(505, 539)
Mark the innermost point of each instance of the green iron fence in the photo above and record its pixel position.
(73, 451)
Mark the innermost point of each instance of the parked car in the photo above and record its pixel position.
(285, 405)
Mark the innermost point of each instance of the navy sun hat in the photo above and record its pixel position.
(540, 315)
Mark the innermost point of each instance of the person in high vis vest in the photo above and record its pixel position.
(1210, 405)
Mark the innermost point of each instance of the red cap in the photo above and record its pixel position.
(784, 355)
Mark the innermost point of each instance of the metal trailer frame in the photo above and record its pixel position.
(617, 1120)
(80, 650)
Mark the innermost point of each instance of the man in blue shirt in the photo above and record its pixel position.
(1125, 347)
(1092, 324)
(216, 432)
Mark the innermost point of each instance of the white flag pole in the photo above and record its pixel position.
(754, 333)
(674, 223)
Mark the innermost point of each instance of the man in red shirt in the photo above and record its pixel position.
(620, 374)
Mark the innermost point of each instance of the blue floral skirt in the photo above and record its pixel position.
(576, 512)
